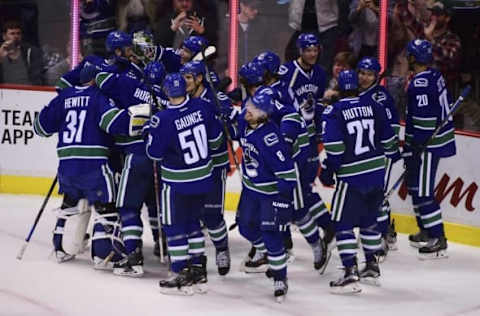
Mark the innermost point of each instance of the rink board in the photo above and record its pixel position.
(28, 164)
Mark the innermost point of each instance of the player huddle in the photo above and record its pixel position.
(155, 117)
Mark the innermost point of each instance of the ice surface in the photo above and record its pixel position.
(39, 286)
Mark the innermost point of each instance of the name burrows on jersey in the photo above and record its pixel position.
(356, 141)
(428, 105)
(76, 115)
(196, 135)
(380, 95)
(126, 92)
(267, 166)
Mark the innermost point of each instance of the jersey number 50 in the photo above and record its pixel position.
(194, 143)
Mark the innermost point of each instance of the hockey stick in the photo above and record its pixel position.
(45, 201)
(453, 110)
(217, 102)
(156, 186)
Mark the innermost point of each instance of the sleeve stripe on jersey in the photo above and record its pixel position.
(289, 175)
(396, 128)
(442, 139)
(220, 159)
(108, 117)
(215, 143)
(362, 166)
(424, 123)
(101, 78)
(389, 143)
(294, 117)
(38, 128)
(334, 148)
(62, 83)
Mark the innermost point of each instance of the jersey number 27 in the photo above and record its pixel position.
(358, 128)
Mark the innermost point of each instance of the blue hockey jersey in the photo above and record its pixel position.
(267, 168)
(169, 57)
(183, 137)
(126, 91)
(357, 136)
(120, 66)
(75, 114)
(428, 105)
(381, 95)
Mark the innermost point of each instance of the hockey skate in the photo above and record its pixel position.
(248, 257)
(382, 253)
(222, 259)
(199, 276)
(436, 248)
(419, 239)
(132, 266)
(329, 237)
(62, 256)
(178, 284)
(348, 284)
(103, 264)
(391, 237)
(280, 290)
(370, 274)
(288, 243)
(258, 264)
(321, 256)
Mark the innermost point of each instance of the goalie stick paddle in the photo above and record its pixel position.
(45, 201)
(453, 110)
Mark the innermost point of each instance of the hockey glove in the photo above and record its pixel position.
(326, 177)
(139, 115)
(282, 205)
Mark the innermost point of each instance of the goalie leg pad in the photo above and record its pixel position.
(107, 246)
(72, 223)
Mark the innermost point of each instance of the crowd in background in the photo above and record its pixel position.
(347, 29)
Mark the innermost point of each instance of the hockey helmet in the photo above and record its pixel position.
(369, 63)
(154, 72)
(174, 85)
(143, 46)
(306, 40)
(193, 67)
(251, 73)
(421, 50)
(347, 80)
(262, 99)
(117, 39)
(195, 44)
(268, 61)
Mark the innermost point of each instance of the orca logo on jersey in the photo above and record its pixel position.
(420, 82)
(270, 139)
(283, 70)
(328, 109)
(379, 96)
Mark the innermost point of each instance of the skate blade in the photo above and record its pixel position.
(442, 254)
(392, 247)
(136, 272)
(382, 258)
(419, 245)
(290, 258)
(352, 288)
(182, 291)
(370, 281)
(200, 288)
(261, 269)
(322, 269)
(65, 258)
(280, 299)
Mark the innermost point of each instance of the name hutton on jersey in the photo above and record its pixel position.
(361, 111)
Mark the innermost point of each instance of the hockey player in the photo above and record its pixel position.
(137, 98)
(428, 105)
(368, 81)
(306, 81)
(194, 74)
(265, 207)
(83, 172)
(187, 178)
(356, 136)
(119, 46)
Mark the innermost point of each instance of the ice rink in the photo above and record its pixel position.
(38, 286)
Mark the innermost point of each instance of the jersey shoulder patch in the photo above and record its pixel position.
(270, 139)
(379, 96)
(283, 70)
(328, 110)
(420, 82)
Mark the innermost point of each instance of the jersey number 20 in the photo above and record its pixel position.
(357, 128)
(75, 121)
(194, 143)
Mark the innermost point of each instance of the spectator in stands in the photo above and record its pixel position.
(57, 70)
(446, 45)
(20, 62)
(342, 61)
(178, 19)
(314, 16)
(364, 19)
(97, 19)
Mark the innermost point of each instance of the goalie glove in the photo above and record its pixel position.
(139, 115)
(208, 51)
(307, 109)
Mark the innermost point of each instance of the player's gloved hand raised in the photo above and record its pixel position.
(326, 177)
(283, 206)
